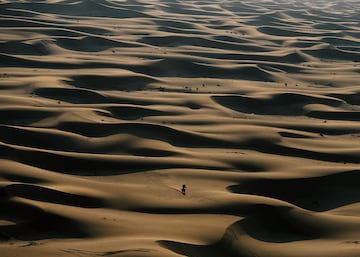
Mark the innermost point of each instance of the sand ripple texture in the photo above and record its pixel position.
(108, 107)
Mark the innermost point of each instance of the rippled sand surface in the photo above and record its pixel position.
(108, 107)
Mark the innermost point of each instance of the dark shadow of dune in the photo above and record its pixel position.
(33, 223)
(175, 41)
(90, 8)
(293, 135)
(268, 146)
(72, 95)
(91, 44)
(92, 164)
(248, 166)
(263, 223)
(21, 178)
(21, 136)
(333, 53)
(190, 67)
(317, 194)
(164, 133)
(24, 115)
(330, 26)
(338, 41)
(44, 194)
(337, 115)
(192, 250)
(8, 60)
(275, 224)
(353, 99)
(284, 63)
(350, 49)
(132, 112)
(290, 104)
(151, 152)
(54, 28)
(126, 83)
(176, 30)
(321, 129)
(287, 32)
(179, 8)
(29, 61)
(230, 208)
(237, 7)
(15, 47)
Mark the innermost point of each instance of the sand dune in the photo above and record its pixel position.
(108, 107)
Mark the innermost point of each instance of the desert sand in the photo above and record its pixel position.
(108, 107)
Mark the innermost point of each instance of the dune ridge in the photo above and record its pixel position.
(108, 107)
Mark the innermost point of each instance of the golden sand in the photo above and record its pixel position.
(108, 107)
